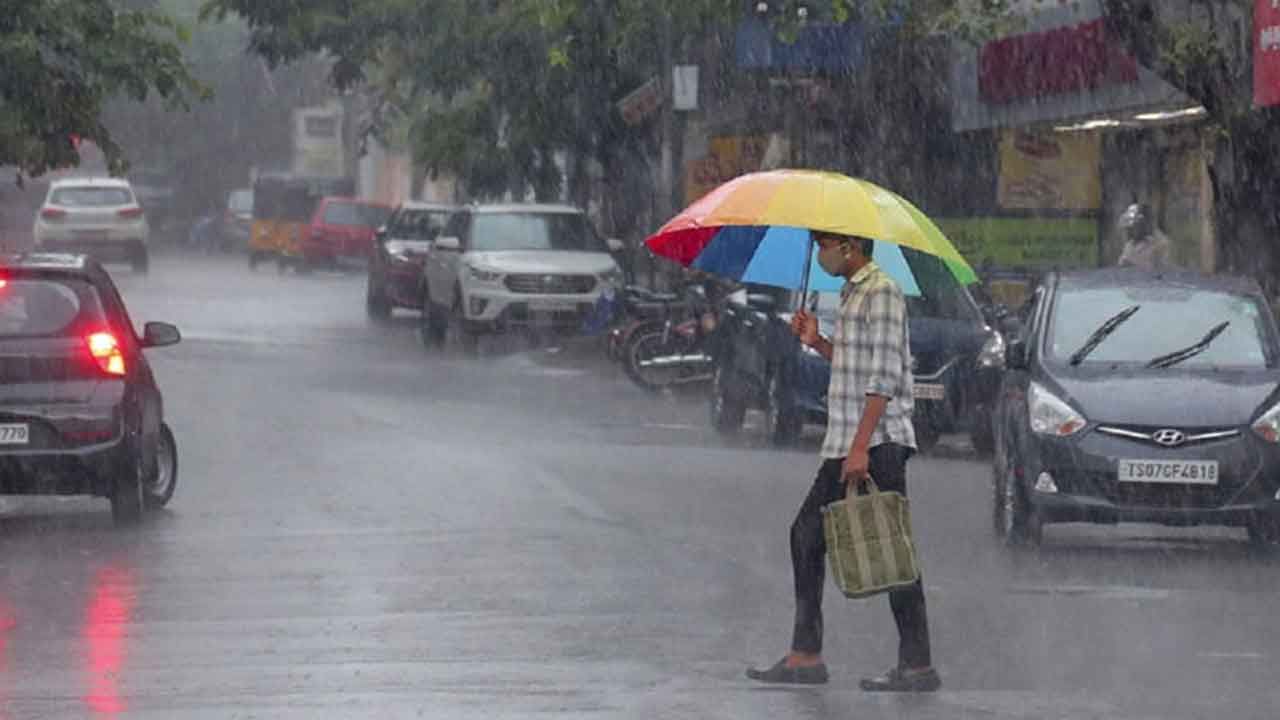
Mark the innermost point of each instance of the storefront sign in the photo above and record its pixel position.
(1025, 242)
(1050, 171)
(1066, 59)
(1061, 65)
(1266, 53)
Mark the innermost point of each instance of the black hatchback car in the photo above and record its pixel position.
(1140, 397)
(759, 364)
(80, 412)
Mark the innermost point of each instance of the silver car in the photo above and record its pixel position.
(100, 217)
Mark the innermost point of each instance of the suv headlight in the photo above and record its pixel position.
(992, 354)
(405, 250)
(483, 276)
(1051, 415)
(1268, 426)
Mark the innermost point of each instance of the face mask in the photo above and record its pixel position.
(833, 260)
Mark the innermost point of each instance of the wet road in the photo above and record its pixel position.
(364, 530)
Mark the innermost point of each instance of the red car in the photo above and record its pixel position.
(400, 249)
(342, 227)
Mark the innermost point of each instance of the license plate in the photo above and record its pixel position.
(1173, 472)
(15, 434)
(90, 235)
(930, 391)
(553, 305)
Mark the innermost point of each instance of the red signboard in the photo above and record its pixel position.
(1069, 59)
(1266, 53)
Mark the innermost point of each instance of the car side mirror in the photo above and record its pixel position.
(1015, 355)
(158, 334)
(615, 245)
(448, 243)
(762, 303)
(381, 232)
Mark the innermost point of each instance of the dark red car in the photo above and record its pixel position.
(342, 227)
(400, 248)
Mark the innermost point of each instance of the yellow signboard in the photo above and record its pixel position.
(1050, 171)
(727, 157)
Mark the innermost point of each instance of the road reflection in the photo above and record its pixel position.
(105, 635)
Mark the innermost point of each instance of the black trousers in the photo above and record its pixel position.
(808, 560)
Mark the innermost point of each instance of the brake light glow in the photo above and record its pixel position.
(53, 213)
(131, 212)
(105, 349)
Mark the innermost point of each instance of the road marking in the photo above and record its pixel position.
(1232, 655)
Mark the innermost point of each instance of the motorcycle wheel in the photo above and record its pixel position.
(645, 345)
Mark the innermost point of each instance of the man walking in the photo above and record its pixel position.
(1145, 247)
(869, 435)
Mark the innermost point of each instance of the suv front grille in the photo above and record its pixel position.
(551, 284)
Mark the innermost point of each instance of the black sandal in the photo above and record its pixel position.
(782, 675)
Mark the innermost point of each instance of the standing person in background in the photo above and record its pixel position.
(1145, 247)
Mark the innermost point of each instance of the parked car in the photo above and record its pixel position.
(761, 365)
(342, 227)
(237, 219)
(497, 267)
(80, 411)
(156, 194)
(96, 216)
(399, 251)
(1140, 397)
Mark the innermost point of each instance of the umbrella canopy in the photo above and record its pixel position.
(757, 228)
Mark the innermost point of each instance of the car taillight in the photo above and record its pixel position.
(105, 349)
(130, 213)
(53, 214)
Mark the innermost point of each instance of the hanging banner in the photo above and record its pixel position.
(1050, 171)
(1266, 53)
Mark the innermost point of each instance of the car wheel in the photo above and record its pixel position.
(158, 490)
(1016, 523)
(1264, 530)
(376, 303)
(255, 257)
(782, 423)
(728, 411)
(141, 261)
(463, 337)
(127, 492)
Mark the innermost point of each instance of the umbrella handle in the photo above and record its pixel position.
(804, 278)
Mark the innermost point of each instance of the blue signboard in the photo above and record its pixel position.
(817, 47)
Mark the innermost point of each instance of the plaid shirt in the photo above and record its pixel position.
(871, 355)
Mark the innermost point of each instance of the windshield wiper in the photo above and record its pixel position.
(1187, 353)
(1101, 334)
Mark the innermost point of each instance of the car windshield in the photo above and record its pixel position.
(356, 214)
(89, 197)
(534, 231)
(42, 308)
(1168, 319)
(418, 224)
(241, 201)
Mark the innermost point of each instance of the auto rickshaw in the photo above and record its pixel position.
(282, 207)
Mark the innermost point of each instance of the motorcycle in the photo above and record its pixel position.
(675, 349)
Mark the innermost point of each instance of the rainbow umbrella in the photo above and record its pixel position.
(757, 229)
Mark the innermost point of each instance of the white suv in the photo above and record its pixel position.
(96, 216)
(496, 267)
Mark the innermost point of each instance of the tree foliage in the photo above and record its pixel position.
(64, 59)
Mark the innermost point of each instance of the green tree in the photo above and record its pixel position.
(64, 59)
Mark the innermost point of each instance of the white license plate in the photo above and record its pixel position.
(15, 434)
(930, 391)
(1173, 472)
(553, 305)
